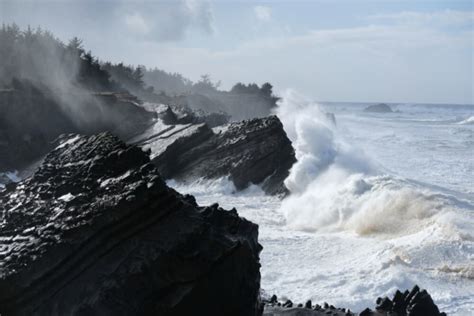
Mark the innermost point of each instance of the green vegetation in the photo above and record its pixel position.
(37, 57)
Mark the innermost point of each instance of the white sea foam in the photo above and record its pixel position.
(354, 227)
(335, 187)
(10, 176)
(468, 121)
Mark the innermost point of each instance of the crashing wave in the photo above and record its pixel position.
(335, 187)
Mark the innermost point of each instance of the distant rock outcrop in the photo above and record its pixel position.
(239, 106)
(410, 303)
(96, 231)
(379, 108)
(256, 151)
(182, 115)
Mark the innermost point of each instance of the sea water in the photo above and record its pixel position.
(379, 202)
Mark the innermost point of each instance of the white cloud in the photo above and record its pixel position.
(263, 13)
(201, 14)
(167, 21)
(136, 23)
(443, 18)
(385, 62)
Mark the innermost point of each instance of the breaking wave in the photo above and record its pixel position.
(335, 187)
(468, 121)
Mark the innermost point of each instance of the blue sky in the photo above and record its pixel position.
(330, 50)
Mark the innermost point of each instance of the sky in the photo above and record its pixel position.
(330, 50)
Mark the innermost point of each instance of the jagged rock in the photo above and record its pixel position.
(255, 151)
(181, 115)
(413, 303)
(168, 116)
(379, 108)
(274, 299)
(96, 231)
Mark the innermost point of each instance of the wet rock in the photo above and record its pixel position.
(96, 231)
(384, 304)
(410, 303)
(273, 299)
(288, 303)
(257, 151)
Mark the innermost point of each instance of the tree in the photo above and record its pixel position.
(205, 85)
(267, 89)
(138, 76)
(75, 46)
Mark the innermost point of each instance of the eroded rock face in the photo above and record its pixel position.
(257, 151)
(96, 231)
(410, 303)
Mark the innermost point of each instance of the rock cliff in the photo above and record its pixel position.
(96, 231)
(256, 151)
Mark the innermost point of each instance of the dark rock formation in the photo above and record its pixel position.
(240, 106)
(255, 151)
(409, 303)
(378, 108)
(181, 115)
(95, 231)
(32, 117)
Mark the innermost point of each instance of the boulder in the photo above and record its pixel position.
(96, 231)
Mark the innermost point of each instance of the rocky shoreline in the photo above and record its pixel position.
(96, 231)
(93, 229)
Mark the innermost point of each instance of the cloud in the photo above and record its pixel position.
(168, 20)
(399, 62)
(263, 13)
(157, 20)
(402, 57)
(136, 23)
(442, 18)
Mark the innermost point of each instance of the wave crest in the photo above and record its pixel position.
(334, 186)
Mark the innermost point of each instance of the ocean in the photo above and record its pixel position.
(379, 202)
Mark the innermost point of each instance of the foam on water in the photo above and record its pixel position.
(10, 176)
(469, 120)
(352, 229)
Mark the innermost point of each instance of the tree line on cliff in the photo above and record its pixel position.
(37, 56)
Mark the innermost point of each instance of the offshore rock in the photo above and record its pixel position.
(379, 108)
(96, 231)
